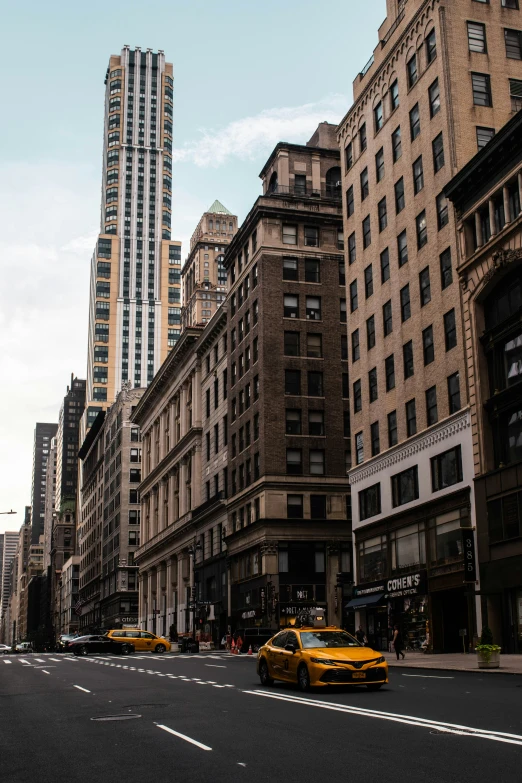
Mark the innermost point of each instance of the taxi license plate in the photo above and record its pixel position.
(359, 676)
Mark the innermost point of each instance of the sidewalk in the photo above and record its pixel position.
(459, 662)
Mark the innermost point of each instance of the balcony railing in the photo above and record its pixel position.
(326, 191)
(367, 67)
(398, 20)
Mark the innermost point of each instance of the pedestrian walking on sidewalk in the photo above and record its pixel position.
(361, 636)
(397, 641)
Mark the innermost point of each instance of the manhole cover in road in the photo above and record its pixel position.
(129, 716)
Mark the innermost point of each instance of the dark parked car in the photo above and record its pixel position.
(86, 645)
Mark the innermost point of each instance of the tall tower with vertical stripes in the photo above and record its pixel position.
(135, 288)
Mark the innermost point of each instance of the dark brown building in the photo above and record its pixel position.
(288, 528)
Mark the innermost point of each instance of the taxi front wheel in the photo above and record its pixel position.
(160, 648)
(264, 675)
(303, 678)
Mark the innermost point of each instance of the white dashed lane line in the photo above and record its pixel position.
(81, 689)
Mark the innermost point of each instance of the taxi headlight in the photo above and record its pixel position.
(324, 661)
(382, 659)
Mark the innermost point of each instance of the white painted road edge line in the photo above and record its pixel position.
(81, 689)
(428, 676)
(184, 737)
(450, 728)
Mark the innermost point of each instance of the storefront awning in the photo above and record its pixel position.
(365, 600)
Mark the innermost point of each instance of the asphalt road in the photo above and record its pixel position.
(206, 718)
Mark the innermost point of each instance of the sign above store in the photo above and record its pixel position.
(415, 583)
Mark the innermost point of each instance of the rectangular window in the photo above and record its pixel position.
(446, 469)
(431, 46)
(345, 393)
(370, 501)
(405, 303)
(318, 511)
(387, 318)
(383, 214)
(294, 510)
(313, 308)
(342, 311)
(317, 462)
(293, 382)
(378, 117)
(290, 306)
(431, 406)
(399, 195)
(359, 448)
(411, 418)
(484, 136)
(350, 204)
(291, 344)
(365, 187)
(367, 232)
(300, 184)
(407, 356)
(477, 37)
(510, 4)
(374, 434)
(289, 235)
(405, 487)
(348, 156)
(370, 332)
(385, 265)
(293, 421)
(481, 87)
(314, 346)
(342, 273)
(515, 92)
(428, 347)
(354, 301)
(389, 368)
(315, 384)
(442, 211)
(425, 286)
(422, 229)
(394, 95)
(356, 354)
(450, 330)
(311, 236)
(402, 248)
(513, 40)
(392, 429)
(352, 249)
(368, 281)
(446, 274)
(379, 165)
(438, 153)
(362, 137)
(418, 175)
(294, 462)
(415, 126)
(396, 144)
(434, 98)
(316, 423)
(357, 397)
(372, 384)
(411, 70)
(290, 271)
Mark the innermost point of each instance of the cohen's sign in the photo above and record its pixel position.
(395, 587)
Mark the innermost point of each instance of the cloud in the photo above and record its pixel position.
(250, 137)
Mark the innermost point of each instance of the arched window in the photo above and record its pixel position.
(333, 182)
(272, 185)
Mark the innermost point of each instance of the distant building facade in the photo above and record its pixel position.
(43, 435)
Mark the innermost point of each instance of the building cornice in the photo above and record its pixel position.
(439, 432)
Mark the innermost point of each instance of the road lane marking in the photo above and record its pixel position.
(45, 672)
(411, 720)
(81, 689)
(428, 676)
(214, 666)
(22, 660)
(56, 659)
(184, 737)
(7, 661)
(219, 686)
(40, 660)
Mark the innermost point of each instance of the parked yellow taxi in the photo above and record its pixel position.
(313, 654)
(143, 641)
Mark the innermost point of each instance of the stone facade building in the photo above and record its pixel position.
(487, 195)
(443, 79)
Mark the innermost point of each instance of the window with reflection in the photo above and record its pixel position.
(445, 538)
(408, 547)
(373, 558)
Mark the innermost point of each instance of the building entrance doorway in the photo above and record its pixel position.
(449, 611)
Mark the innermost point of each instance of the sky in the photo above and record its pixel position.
(247, 75)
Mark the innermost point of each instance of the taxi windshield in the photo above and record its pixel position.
(311, 639)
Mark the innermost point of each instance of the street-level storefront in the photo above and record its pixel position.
(411, 574)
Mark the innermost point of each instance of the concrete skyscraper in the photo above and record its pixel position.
(43, 434)
(135, 269)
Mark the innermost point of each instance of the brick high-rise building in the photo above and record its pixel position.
(204, 276)
(443, 79)
(131, 282)
(43, 435)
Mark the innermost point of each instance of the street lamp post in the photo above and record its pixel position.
(192, 550)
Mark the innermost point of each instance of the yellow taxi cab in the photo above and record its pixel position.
(311, 654)
(143, 641)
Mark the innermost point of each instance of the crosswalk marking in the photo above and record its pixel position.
(7, 661)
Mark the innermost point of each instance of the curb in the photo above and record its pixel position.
(455, 669)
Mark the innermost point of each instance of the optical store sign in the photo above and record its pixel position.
(395, 587)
